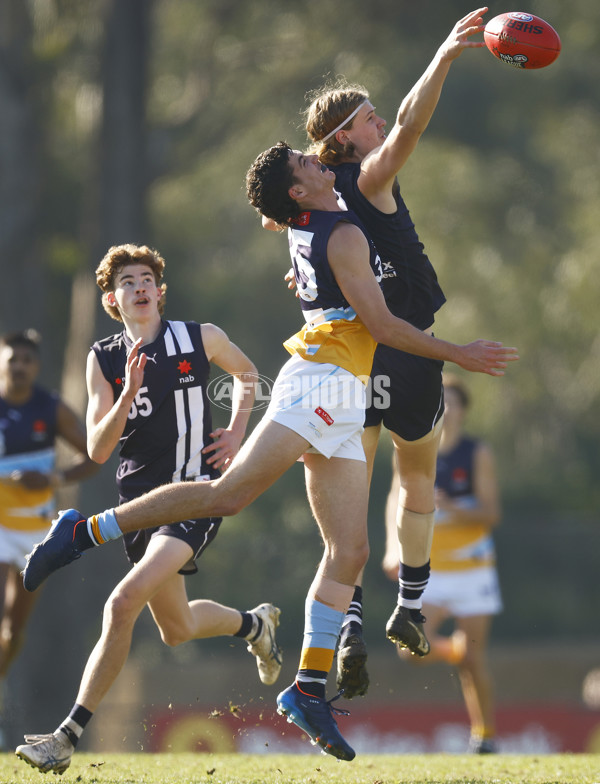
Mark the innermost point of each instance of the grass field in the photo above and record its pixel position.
(313, 769)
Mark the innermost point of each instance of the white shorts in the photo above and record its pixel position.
(15, 544)
(464, 593)
(324, 404)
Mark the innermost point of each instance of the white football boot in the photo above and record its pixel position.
(268, 654)
(47, 752)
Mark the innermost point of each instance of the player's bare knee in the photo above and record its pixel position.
(174, 634)
(169, 638)
(120, 609)
(362, 555)
(7, 634)
(472, 659)
(11, 639)
(230, 495)
(231, 502)
(229, 507)
(356, 555)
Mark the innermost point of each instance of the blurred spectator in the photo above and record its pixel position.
(31, 419)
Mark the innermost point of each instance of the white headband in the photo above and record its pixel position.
(345, 122)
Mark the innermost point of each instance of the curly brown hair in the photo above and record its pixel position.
(329, 106)
(268, 181)
(120, 256)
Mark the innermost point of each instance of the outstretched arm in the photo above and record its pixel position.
(348, 254)
(381, 166)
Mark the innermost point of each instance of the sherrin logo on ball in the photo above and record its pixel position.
(522, 40)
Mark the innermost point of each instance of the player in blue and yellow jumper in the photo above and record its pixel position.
(32, 420)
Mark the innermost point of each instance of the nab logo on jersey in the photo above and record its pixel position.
(39, 430)
(460, 479)
(184, 367)
(302, 220)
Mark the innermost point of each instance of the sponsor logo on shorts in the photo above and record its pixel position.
(324, 415)
(315, 429)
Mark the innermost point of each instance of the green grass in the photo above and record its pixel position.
(313, 769)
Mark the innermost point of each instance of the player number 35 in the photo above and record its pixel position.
(141, 404)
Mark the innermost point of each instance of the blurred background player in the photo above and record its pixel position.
(350, 138)
(31, 420)
(464, 584)
(154, 404)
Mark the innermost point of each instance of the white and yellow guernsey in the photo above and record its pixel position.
(459, 546)
(27, 436)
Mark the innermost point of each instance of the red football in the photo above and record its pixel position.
(522, 40)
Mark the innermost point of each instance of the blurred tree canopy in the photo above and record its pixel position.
(135, 121)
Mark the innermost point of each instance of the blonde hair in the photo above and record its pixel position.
(120, 256)
(329, 106)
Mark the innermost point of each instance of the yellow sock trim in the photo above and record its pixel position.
(316, 659)
(96, 530)
(484, 733)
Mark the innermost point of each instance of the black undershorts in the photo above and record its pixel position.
(405, 393)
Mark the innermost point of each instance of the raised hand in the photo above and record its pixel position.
(460, 37)
(134, 369)
(290, 279)
(224, 448)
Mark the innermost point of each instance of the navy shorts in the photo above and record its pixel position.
(405, 393)
(197, 533)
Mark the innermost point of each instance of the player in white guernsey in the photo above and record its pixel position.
(147, 393)
(316, 412)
